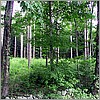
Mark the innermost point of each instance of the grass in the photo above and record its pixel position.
(39, 78)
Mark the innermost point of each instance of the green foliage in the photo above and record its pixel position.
(68, 73)
(86, 72)
(39, 78)
(64, 14)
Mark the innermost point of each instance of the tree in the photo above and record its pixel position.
(50, 27)
(71, 38)
(57, 30)
(76, 33)
(21, 53)
(94, 88)
(29, 44)
(6, 48)
(97, 43)
(15, 48)
(91, 36)
(86, 40)
(34, 41)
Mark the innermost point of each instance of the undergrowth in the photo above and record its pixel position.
(67, 74)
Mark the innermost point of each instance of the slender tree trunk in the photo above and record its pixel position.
(45, 27)
(87, 39)
(27, 39)
(91, 42)
(71, 47)
(21, 46)
(40, 52)
(57, 49)
(26, 43)
(34, 42)
(47, 59)
(6, 48)
(86, 42)
(29, 46)
(34, 52)
(57, 27)
(97, 43)
(71, 43)
(15, 48)
(76, 33)
(2, 32)
(51, 45)
(76, 44)
(24, 52)
(57, 55)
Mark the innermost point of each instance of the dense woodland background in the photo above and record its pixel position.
(50, 49)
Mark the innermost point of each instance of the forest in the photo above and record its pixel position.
(50, 50)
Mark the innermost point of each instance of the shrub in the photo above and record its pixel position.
(39, 78)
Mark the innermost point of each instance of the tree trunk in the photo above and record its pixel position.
(71, 43)
(15, 48)
(95, 89)
(21, 46)
(33, 51)
(76, 33)
(57, 55)
(57, 27)
(47, 59)
(91, 42)
(27, 40)
(2, 32)
(51, 45)
(6, 48)
(29, 45)
(34, 42)
(86, 42)
(71, 47)
(24, 52)
(40, 52)
(76, 44)
(97, 43)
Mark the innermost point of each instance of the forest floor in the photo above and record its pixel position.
(38, 82)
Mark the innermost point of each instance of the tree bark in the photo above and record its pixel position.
(57, 55)
(2, 31)
(6, 48)
(94, 89)
(76, 33)
(33, 52)
(51, 45)
(91, 44)
(40, 52)
(71, 47)
(21, 46)
(97, 43)
(86, 42)
(46, 58)
(29, 45)
(27, 39)
(71, 43)
(57, 27)
(15, 48)
(24, 52)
